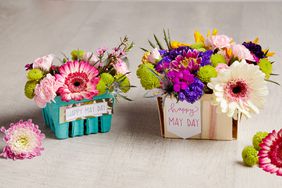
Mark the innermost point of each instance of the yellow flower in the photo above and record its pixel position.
(268, 54)
(256, 40)
(145, 57)
(176, 44)
(199, 37)
(214, 32)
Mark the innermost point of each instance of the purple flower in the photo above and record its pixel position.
(255, 49)
(176, 87)
(28, 66)
(181, 96)
(194, 91)
(180, 79)
(206, 56)
(163, 64)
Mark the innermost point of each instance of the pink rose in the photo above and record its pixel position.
(154, 56)
(221, 67)
(44, 63)
(45, 91)
(218, 41)
(91, 58)
(241, 52)
(121, 67)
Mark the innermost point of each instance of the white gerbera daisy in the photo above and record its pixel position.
(240, 89)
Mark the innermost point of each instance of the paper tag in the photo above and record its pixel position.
(182, 118)
(85, 110)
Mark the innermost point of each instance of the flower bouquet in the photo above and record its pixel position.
(77, 97)
(204, 88)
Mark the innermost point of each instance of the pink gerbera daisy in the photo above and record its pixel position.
(23, 140)
(270, 154)
(79, 81)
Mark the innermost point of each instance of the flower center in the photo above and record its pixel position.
(236, 90)
(22, 142)
(77, 82)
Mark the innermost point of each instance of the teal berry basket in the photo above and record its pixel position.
(55, 115)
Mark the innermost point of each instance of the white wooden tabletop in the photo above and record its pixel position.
(133, 154)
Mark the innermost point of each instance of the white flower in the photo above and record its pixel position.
(154, 56)
(121, 67)
(240, 89)
(44, 63)
(91, 58)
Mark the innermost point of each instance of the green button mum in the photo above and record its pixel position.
(266, 67)
(35, 74)
(258, 138)
(124, 83)
(107, 78)
(29, 89)
(250, 156)
(216, 59)
(148, 79)
(206, 73)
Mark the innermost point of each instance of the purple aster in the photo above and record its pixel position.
(181, 96)
(255, 49)
(162, 52)
(172, 54)
(163, 64)
(168, 56)
(206, 57)
(194, 91)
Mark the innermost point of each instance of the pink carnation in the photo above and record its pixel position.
(241, 52)
(121, 67)
(45, 91)
(44, 62)
(23, 140)
(218, 41)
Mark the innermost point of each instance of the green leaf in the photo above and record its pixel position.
(129, 47)
(124, 97)
(266, 52)
(151, 44)
(65, 55)
(122, 78)
(166, 40)
(158, 42)
(271, 81)
(145, 50)
(90, 56)
(168, 35)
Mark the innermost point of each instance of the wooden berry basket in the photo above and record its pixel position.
(55, 116)
(214, 125)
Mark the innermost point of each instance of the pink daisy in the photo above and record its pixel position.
(79, 80)
(23, 140)
(270, 154)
